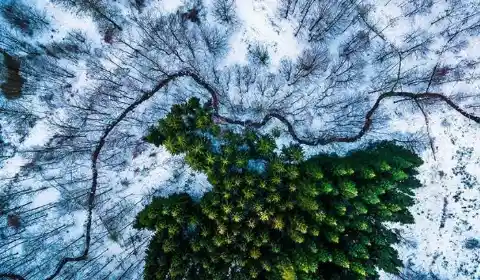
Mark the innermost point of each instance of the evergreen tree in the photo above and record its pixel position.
(275, 215)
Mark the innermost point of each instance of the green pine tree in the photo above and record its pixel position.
(290, 218)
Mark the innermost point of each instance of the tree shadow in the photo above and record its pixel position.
(12, 87)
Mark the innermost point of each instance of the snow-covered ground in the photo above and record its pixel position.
(446, 212)
(447, 209)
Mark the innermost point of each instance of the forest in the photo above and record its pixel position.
(228, 139)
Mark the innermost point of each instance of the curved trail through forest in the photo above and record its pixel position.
(248, 123)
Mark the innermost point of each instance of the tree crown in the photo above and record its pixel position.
(275, 215)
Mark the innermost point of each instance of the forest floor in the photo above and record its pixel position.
(440, 243)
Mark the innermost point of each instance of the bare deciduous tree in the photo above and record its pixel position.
(224, 11)
(344, 87)
(23, 17)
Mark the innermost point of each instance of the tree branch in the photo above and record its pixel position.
(247, 123)
(94, 168)
(367, 123)
(11, 276)
(427, 124)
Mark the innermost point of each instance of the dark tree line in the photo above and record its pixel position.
(12, 87)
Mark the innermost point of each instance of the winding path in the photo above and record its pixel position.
(205, 85)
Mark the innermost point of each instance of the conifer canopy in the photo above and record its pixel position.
(272, 213)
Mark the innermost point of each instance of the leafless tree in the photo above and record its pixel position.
(224, 11)
(23, 17)
(344, 87)
(104, 12)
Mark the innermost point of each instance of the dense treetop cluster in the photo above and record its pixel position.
(274, 214)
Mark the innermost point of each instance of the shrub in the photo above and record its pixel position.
(275, 215)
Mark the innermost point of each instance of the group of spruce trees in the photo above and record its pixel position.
(272, 214)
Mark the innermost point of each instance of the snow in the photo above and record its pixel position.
(79, 218)
(38, 135)
(64, 22)
(48, 196)
(440, 248)
(171, 6)
(259, 23)
(12, 166)
(435, 243)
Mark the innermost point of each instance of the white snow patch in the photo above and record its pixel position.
(79, 218)
(38, 135)
(12, 166)
(45, 197)
(259, 23)
(169, 6)
(114, 248)
(64, 21)
(446, 212)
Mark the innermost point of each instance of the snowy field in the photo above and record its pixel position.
(46, 177)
